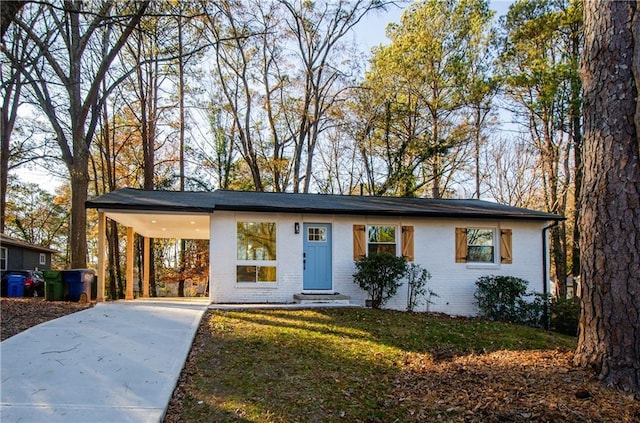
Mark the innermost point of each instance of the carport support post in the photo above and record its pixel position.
(129, 272)
(146, 266)
(101, 270)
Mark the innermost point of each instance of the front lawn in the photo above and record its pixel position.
(350, 364)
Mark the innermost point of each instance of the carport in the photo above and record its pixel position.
(150, 214)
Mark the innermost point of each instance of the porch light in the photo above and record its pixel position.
(296, 227)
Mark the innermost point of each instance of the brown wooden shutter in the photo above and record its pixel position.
(506, 255)
(359, 242)
(407, 243)
(461, 245)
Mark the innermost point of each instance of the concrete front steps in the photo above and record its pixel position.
(321, 299)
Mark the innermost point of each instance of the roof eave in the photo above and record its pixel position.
(147, 208)
(436, 214)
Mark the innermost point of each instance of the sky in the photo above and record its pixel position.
(371, 31)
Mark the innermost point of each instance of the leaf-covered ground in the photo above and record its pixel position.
(361, 365)
(19, 314)
(357, 365)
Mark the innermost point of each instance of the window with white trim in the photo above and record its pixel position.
(256, 252)
(381, 239)
(43, 259)
(480, 245)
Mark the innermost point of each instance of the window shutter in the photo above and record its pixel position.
(506, 256)
(407, 243)
(461, 245)
(358, 242)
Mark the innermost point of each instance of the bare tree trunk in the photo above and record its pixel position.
(67, 54)
(576, 135)
(181, 64)
(4, 175)
(476, 154)
(436, 170)
(116, 285)
(8, 115)
(109, 156)
(609, 339)
(79, 194)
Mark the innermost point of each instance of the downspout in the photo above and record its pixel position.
(545, 291)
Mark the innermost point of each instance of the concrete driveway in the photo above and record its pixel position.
(115, 362)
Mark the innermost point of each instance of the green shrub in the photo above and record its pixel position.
(565, 314)
(504, 298)
(532, 313)
(501, 297)
(379, 275)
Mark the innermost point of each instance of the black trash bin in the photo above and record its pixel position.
(79, 284)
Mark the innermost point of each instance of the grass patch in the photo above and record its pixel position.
(330, 364)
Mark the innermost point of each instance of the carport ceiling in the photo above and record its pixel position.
(164, 225)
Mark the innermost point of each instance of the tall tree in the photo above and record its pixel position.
(280, 71)
(317, 29)
(609, 339)
(36, 216)
(539, 68)
(482, 87)
(213, 151)
(180, 15)
(418, 87)
(514, 174)
(75, 44)
(232, 28)
(11, 81)
(105, 170)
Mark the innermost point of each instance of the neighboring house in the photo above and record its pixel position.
(269, 247)
(16, 254)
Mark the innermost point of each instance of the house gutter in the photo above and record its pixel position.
(545, 291)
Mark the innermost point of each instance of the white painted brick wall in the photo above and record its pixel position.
(434, 250)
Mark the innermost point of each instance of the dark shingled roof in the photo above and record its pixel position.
(7, 240)
(208, 202)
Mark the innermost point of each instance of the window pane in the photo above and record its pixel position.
(482, 237)
(382, 248)
(317, 234)
(381, 239)
(266, 274)
(245, 273)
(382, 234)
(480, 254)
(256, 241)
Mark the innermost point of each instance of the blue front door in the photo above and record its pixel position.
(317, 256)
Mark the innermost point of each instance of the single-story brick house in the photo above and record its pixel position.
(16, 254)
(272, 247)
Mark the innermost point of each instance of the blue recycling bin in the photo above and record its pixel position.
(79, 283)
(15, 286)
